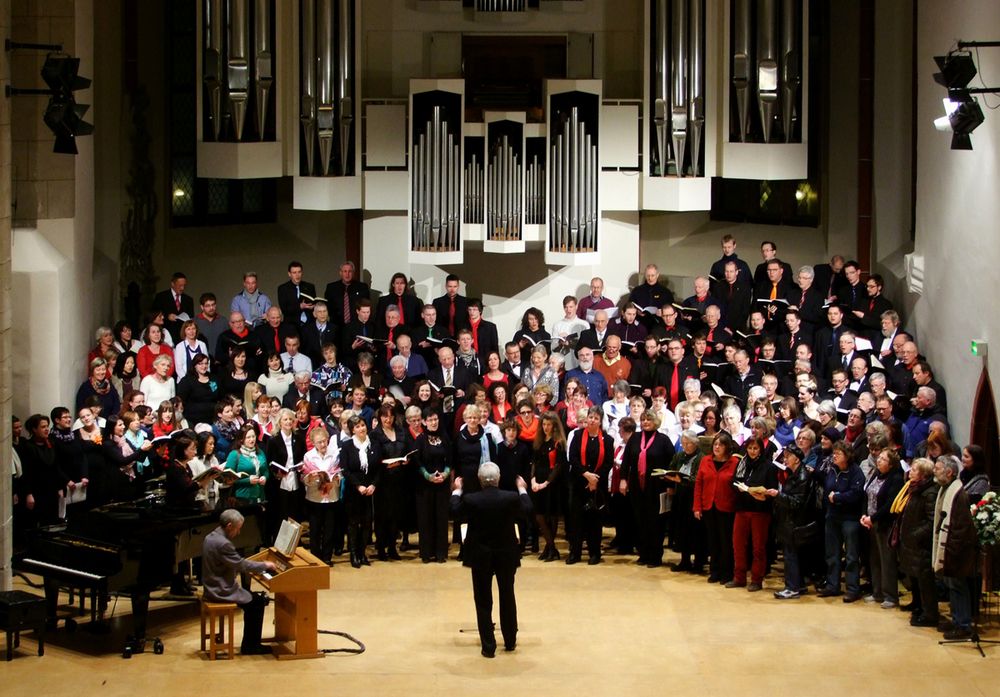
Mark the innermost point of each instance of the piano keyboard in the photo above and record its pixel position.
(63, 569)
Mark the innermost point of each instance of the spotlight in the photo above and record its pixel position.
(966, 118)
(957, 70)
(63, 115)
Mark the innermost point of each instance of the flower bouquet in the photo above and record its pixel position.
(986, 516)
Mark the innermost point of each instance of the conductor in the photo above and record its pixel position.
(491, 548)
(221, 563)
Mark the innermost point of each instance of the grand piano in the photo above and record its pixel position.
(129, 548)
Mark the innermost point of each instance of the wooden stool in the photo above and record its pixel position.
(209, 613)
(20, 611)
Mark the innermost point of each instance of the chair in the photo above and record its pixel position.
(210, 612)
(20, 611)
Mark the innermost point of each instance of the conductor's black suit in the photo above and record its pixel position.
(491, 548)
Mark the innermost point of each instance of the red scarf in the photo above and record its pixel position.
(600, 451)
(643, 447)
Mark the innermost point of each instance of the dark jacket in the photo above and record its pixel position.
(917, 528)
(955, 533)
(796, 506)
(468, 456)
(288, 300)
(848, 489)
(492, 513)
(759, 472)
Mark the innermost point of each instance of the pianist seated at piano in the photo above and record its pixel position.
(221, 566)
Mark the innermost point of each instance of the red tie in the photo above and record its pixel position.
(399, 301)
(475, 336)
(277, 344)
(674, 387)
(388, 351)
(871, 305)
(451, 317)
(802, 300)
(347, 306)
(177, 301)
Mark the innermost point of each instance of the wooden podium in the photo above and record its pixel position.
(294, 586)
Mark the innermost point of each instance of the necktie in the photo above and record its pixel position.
(399, 302)
(643, 447)
(448, 402)
(290, 364)
(347, 306)
(774, 291)
(451, 317)
(277, 344)
(674, 386)
(802, 300)
(475, 337)
(177, 301)
(388, 351)
(845, 362)
(871, 305)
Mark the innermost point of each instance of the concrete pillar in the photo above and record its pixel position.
(6, 525)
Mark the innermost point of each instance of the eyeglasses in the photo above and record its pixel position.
(526, 412)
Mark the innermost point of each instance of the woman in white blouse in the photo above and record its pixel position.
(322, 477)
(187, 348)
(158, 386)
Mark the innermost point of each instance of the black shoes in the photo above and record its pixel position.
(255, 650)
(509, 647)
(921, 621)
(828, 592)
(355, 561)
(489, 653)
(852, 598)
(393, 554)
(594, 561)
(572, 558)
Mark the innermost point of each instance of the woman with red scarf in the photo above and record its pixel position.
(647, 450)
(591, 458)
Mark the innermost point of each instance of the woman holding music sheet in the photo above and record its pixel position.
(539, 372)
(755, 475)
(361, 461)
(391, 440)
(285, 451)
(532, 331)
(321, 474)
(247, 458)
(433, 463)
(647, 450)
(686, 532)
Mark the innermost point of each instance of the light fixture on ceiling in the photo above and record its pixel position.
(963, 114)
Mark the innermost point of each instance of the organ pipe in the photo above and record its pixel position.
(345, 72)
(265, 61)
(573, 209)
(790, 56)
(212, 62)
(238, 65)
(741, 65)
(307, 84)
(696, 100)
(767, 64)
(436, 195)
(678, 74)
(661, 95)
(324, 107)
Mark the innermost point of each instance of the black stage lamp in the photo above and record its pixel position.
(966, 118)
(63, 115)
(957, 70)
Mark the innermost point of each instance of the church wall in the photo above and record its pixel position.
(957, 211)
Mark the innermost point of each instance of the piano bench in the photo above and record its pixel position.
(20, 611)
(210, 612)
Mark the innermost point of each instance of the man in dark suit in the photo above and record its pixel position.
(428, 334)
(342, 296)
(318, 331)
(239, 336)
(842, 396)
(449, 373)
(452, 308)
(869, 314)
(651, 293)
(736, 297)
(172, 302)
(484, 333)
(743, 377)
(826, 344)
(294, 307)
(362, 325)
(595, 337)
(272, 333)
(829, 278)
(491, 549)
(512, 364)
(729, 254)
(675, 370)
(775, 287)
(303, 389)
(769, 251)
(795, 333)
(807, 299)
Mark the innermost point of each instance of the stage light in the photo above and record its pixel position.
(957, 70)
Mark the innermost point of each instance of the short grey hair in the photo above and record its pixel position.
(951, 463)
(807, 271)
(489, 474)
(928, 393)
(230, 516)
(397, 360)
(692, 384)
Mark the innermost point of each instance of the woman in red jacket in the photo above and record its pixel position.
(715, 503)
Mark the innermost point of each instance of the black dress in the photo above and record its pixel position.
(644, 493)
(389, 496)
(360, 507)
(548, 463)
(433, 455)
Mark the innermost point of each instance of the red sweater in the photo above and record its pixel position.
(714, 487)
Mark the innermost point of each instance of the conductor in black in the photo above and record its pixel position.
(491, 549)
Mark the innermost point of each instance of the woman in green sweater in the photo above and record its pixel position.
(247, 458)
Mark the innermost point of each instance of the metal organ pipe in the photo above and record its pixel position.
(741, 65)
(678, 75)
(345, 71)
(238, 64)
(661, 90)
(212, 62)
(767, 64)
(696, 99)
(324, 106)
(307, 82)
(437, 192)
(790, 72)
(265, 61)
(573, 209)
